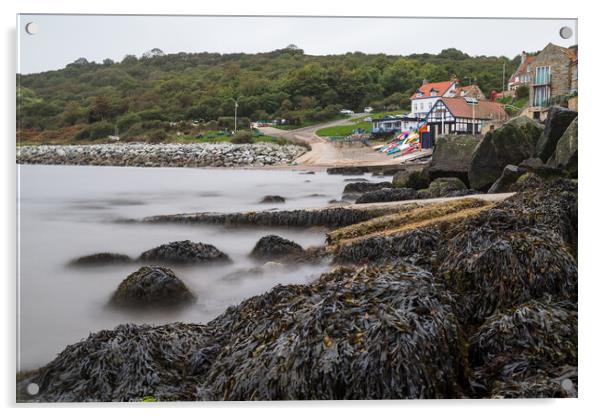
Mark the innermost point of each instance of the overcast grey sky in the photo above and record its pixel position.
(61, 39)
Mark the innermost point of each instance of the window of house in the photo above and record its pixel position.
(542, 75)
(541, 95)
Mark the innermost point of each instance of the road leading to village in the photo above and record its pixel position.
(325, 153)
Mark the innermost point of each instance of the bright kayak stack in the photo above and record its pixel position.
(404, 143)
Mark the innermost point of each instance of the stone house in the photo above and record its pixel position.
(552, 75)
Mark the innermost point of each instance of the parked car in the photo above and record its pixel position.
(368, 109)
(346, 112)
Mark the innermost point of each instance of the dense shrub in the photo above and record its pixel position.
(101, 130)
(242, 137)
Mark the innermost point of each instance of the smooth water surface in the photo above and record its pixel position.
(70, 211)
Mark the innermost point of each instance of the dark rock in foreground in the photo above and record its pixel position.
(508, 145)
(182, 252)
(452, 156)
(529, 351)
(368, 333)
(347, 170)
(362, 187)
(557, 121)
(387, 195)
(151, 286)
(379, 333)
(101, 259)
(272, 199)
(273, 247)
(512, 253)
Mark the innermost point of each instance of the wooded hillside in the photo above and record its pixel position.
(141, 96)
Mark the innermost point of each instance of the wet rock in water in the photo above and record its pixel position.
(308, 172)
(509, 176)
(182, 252)
(355, 180)
(442, 187)
(272, 199)
(380, 333)
(526, 351)
(387, 195)
(510, 254)
(510, 144)
(273, 247)
(152, 286)
(416, 247)
(362, 187)
(129, 363)
(452, 156)
(565, 156)
(557, 121)
(101, 259)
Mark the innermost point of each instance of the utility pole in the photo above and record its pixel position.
(235, 114)
(504, 77)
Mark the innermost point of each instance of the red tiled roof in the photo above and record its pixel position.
(484, 110)
(465, 88)
(522, 68)
(439, 87)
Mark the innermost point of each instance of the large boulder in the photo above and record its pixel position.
(557, 121)
(152, 286)
(442, 187)
(509, 176)
(452, 156)
(101, 259)
(565, 156)
(182, 252)
(509, 145)
(273, 247)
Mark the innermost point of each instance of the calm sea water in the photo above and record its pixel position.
(69, 211)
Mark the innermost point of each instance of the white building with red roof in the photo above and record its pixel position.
(428, 94)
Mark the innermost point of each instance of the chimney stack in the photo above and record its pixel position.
(425, 81)
(523, 57)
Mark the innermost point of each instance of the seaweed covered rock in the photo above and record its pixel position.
(526, 351)
(547, 333)
(442, 187)
(497, 260)
(416, 247)
(273, 247)
(452, 156)
(509, 176)
(373, 333)
(510, 144)
(387, 195)
(347, 170)
(101, 259)
(272, 199)
(182, 252)
(557, 121)
(565, 156)
(362, 187)
(129, 363)
(151, 286)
